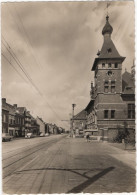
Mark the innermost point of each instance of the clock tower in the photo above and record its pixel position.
(107, 69)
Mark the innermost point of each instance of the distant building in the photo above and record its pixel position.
(27, 119)
(79, 122)
(41, 124)
(11, 116)
(5, 119)
(19, 122)
(14, 118)
(35, 127)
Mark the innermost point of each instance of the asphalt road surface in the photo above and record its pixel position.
(59, 164)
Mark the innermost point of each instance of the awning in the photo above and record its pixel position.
(90, 130)
(11, 128)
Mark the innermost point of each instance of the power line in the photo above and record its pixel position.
(21, 67)
(13, 66)
(26, 74)
(26, 35)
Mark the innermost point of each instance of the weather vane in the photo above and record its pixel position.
(108, 4)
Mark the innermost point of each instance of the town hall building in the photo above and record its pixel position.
(112, 105)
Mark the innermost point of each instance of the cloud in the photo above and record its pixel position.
(57, 43)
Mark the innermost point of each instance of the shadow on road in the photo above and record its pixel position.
(91, 180)
(82, 186)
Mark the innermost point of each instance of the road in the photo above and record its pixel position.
(59, 164)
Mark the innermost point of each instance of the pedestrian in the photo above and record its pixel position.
(87, 137)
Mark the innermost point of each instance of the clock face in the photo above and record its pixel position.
(109, 73)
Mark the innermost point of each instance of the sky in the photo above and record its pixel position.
(56, 44)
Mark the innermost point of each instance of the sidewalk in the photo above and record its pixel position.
(128, 157)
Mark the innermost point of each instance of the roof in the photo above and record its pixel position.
(80, 116)
(108, 44)
(107, 28)
(21, 110)
(108, 50)
(28, 114)
(91, 103)
(40, 119)
(128, 85)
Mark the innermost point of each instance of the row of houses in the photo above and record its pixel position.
(111, 108)
(17, 121)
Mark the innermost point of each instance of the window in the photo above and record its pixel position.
(105, 113)
(112, 89)
(106, 83)
(103, 65)
(109, 65)
(109, 50)
(4, 118)
(106, 89)
(112, 86)
(131, 111)
(116, 65)
(112, 113)
(112, 83)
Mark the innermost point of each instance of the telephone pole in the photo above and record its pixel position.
(73, 106)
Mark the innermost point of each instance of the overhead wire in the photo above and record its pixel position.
(25, 72)
(13, 66)
(21, 66)
(38, 64)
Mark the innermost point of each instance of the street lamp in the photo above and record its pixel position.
(73, 106)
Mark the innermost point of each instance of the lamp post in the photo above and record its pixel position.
(73, 106)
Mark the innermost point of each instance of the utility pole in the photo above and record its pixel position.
(73, 106)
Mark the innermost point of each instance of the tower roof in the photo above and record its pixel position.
(108, 50)
(107, 28)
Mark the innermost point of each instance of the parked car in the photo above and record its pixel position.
(42, 135)
(6, 137)
(29, 135)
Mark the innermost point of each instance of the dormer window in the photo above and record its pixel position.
(109, 65)
(103, 65)
(109, 50)
(116, 65)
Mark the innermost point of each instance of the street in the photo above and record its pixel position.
(58, 164)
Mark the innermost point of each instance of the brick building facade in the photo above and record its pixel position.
(112, 105)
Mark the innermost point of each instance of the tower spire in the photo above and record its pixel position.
(108, 4)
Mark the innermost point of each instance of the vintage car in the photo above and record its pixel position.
(29, 135)
(44, 135)
(6, 137)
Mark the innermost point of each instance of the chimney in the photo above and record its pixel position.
(91, 84)
(3, 100)
(15, 105)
